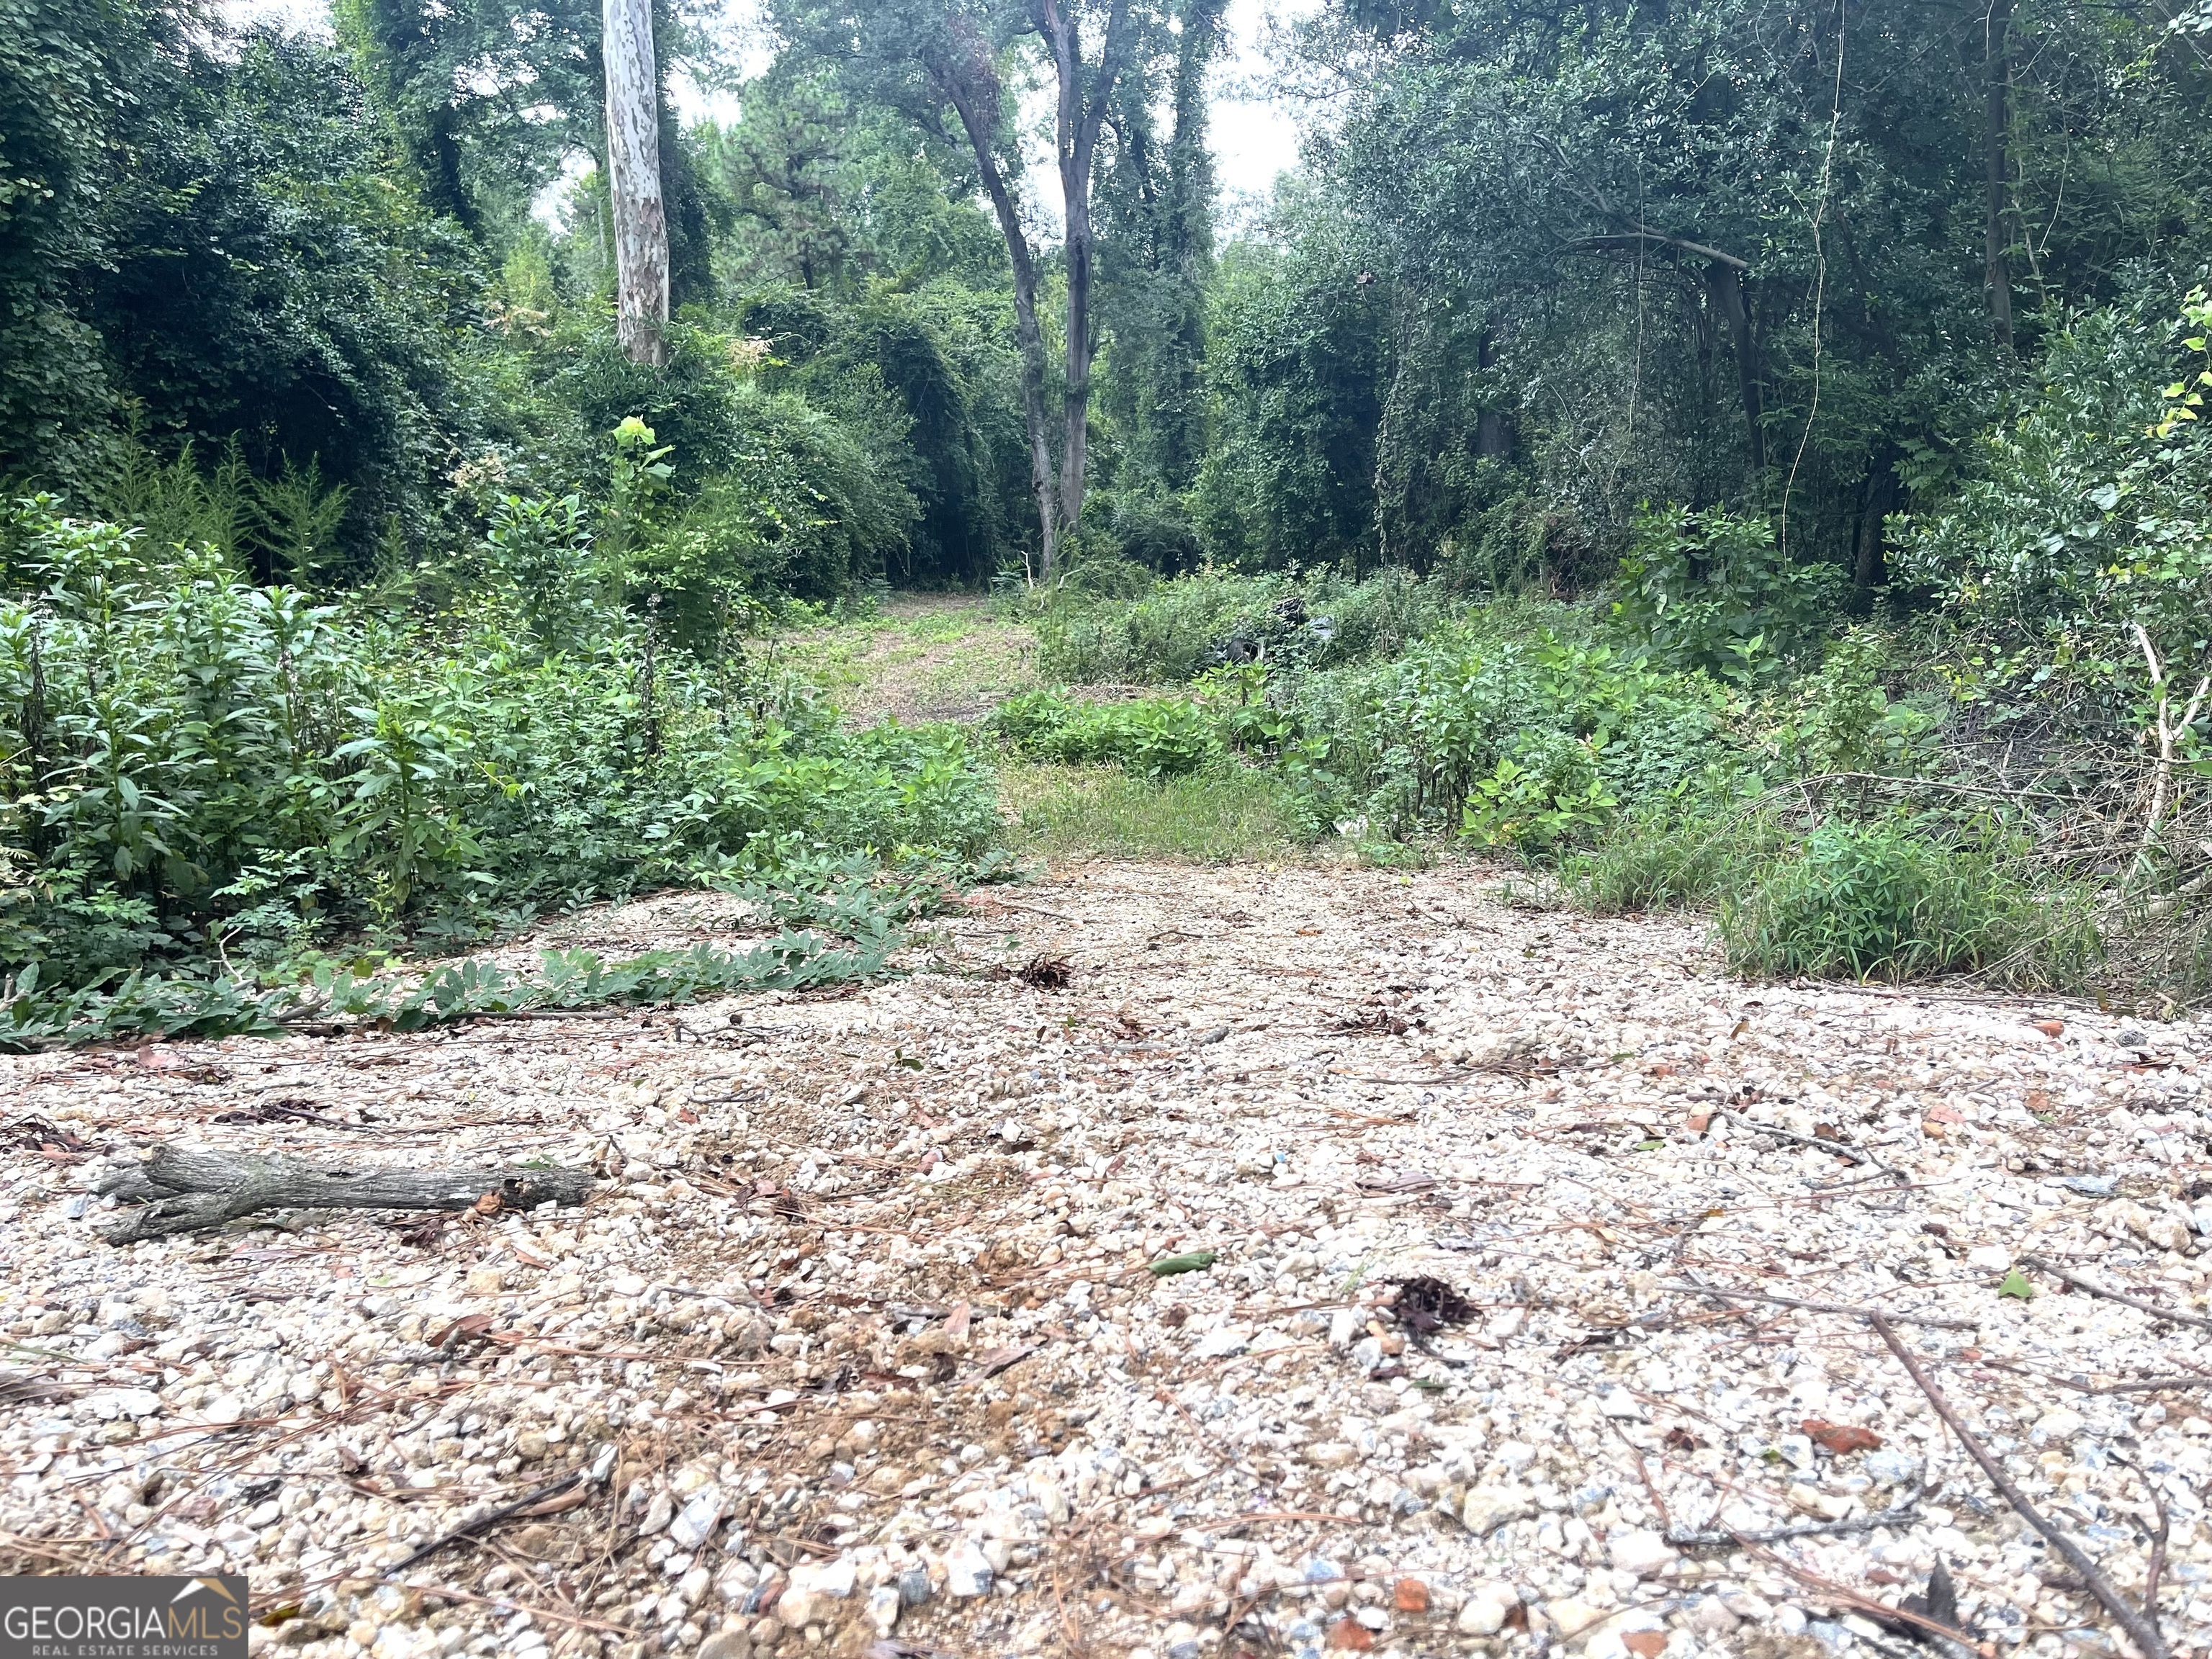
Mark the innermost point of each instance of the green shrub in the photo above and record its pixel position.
(1665, 857)
(1544, 790)
(1880, 901)
(1180, 629)
(2085, 516)
(1528, 738)
(1154, 737)
(1712, 591)
(189, 761)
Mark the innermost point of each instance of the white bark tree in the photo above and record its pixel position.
(640, 219)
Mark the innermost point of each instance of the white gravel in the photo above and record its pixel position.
(860, 1342)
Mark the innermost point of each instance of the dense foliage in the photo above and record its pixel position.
(197, 766)
(1630, 416)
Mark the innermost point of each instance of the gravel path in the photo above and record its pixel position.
(859, 1348)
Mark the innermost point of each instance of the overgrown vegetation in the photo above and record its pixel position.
(1716, 454)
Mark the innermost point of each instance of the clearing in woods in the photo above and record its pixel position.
(1170, 1260)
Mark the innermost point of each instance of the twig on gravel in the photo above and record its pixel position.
(2156, 1568)
(1948, 1639)
(1896, 1514)
(2091, 1288)
(444, 1593)
(2141, 1625)
(2149, 1385)
(505, 1511)
(1841, 1149)
(1714, 1292)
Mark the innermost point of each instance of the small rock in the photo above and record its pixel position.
(486, 1281)
(1349, 1635)
(1642, 1552)
(1710, 1616)
(658, 1514)
(223, 1409)
(966, 1572)
(626, 1285)
(1484, 1613)
(1221, 1344)
(696, 1524)
(530, 1445)
(726, 1645)
(1488, 1508)
(1410, 1596)
(1620, 1403)
(797, 1608)
(2058, 1424)
(913, 1587)
(1990, 1258)
(835, 1579)
(1571, 1618)
(1891, 1467)
(884, 1605)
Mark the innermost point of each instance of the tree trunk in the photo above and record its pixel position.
(641, 218)
(184, 1189)
(1869, 563)
(1997, 66)
(1494, 432)
(1724, 282)
(976, 105)
(1082, 112)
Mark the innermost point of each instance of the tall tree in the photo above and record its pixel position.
(641, 217)
(1997, 95)
(487, 95)
(942, 63)
(1157, 211)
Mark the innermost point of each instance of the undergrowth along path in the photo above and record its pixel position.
(1500, 1304)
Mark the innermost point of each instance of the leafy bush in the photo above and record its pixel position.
(1180, 629)
(2087, 515)
(1544, 790)
(192, 764)
(1524, 738)
(1880, 901)
(1712, 591)
(1845, 721)
(1155, 738)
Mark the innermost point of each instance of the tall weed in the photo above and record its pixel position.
(1879, 901)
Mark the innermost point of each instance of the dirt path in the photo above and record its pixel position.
(860, 1341)
(926, 657)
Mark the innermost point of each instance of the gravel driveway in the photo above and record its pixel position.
(1494, 1222)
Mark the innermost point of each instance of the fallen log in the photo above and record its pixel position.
(182, 1190)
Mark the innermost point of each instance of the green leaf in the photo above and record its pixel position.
(1194, 1262)
(2015, 1284)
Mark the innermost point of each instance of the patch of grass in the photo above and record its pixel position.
(1880, 901)
(1670, 860)
(922, 658)
(1226, 813)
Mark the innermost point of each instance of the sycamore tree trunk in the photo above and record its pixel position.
(641, 218)
(1724, 282)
